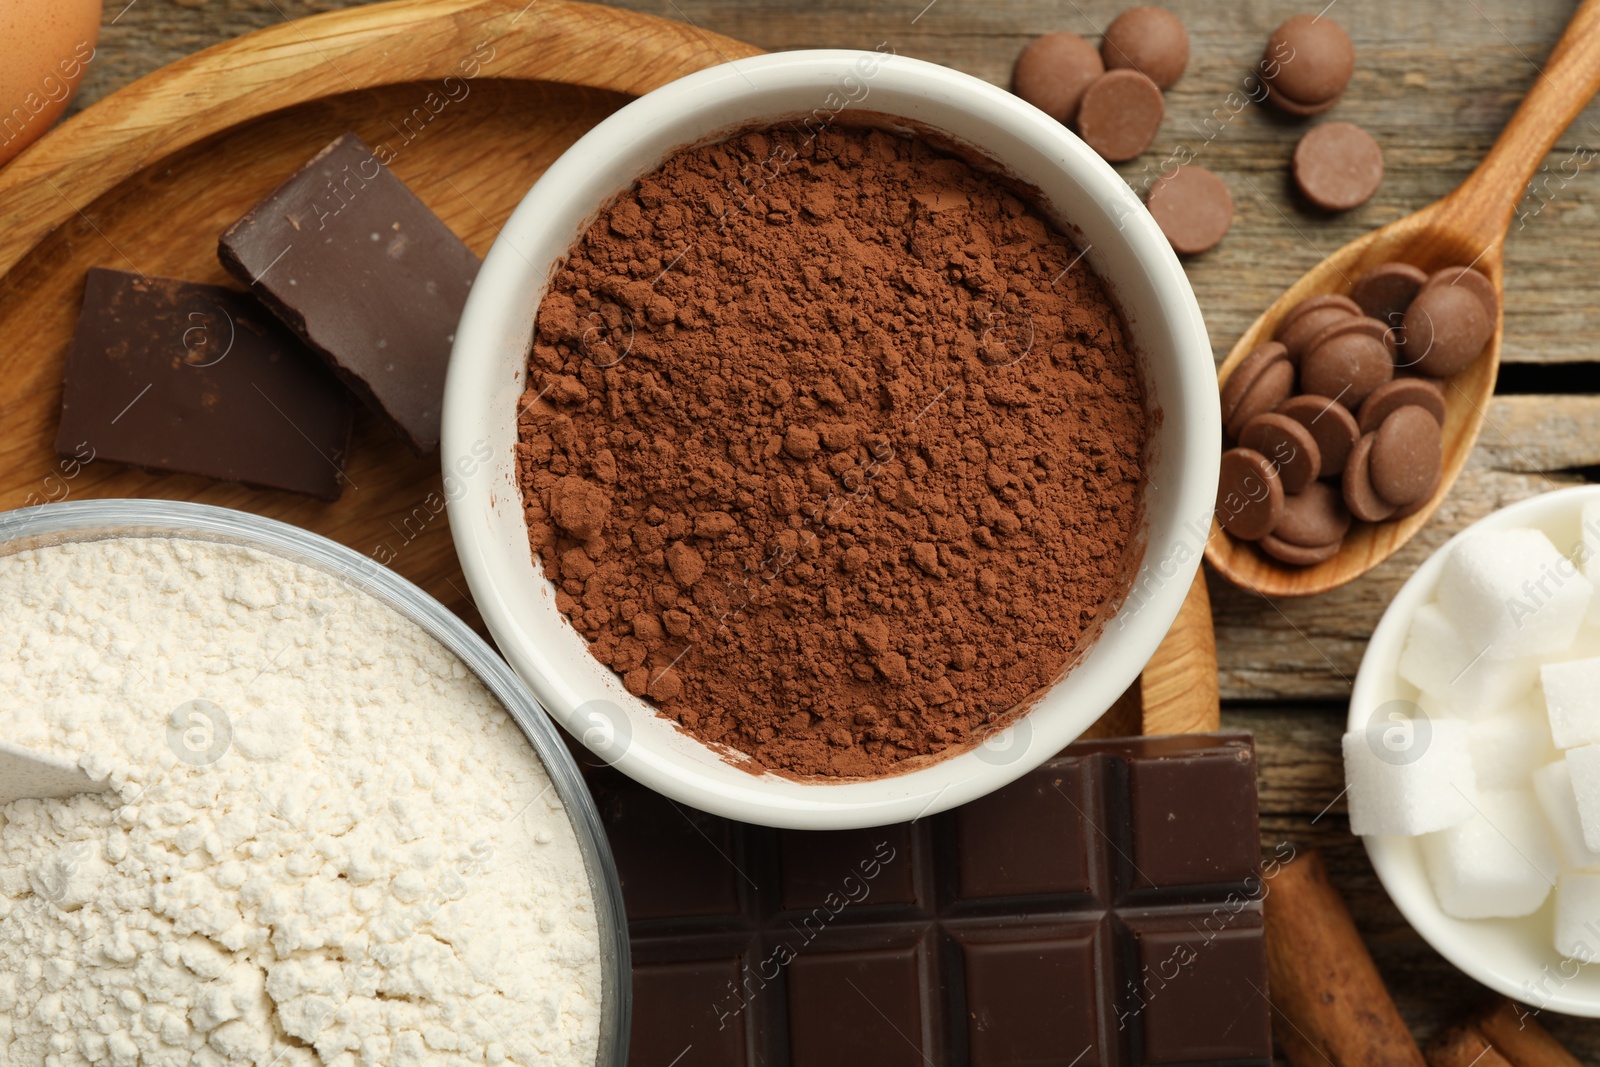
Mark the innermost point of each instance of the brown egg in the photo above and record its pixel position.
(45, 46)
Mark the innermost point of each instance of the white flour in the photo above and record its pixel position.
(375, 871)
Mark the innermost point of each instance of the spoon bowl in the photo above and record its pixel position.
(1466, 227)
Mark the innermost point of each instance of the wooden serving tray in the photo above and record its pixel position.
(475, 98)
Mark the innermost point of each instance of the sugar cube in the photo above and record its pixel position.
(1460, 680)
(1552, 784)
(1589, 553)
(1583, 765)
(1499, 863)
(1408, 776)
(1578, 916)
(1512, 593)
(1572, 700)
(1585, 646)
(1506, 747)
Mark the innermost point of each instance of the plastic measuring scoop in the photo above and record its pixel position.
(26, 774)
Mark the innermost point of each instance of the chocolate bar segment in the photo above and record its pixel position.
(365, 275)
(176, 376)
(1103, 910)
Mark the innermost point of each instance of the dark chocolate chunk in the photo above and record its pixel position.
(366, 275)
(1104, 909)
(196, 379)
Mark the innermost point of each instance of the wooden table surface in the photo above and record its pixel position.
(1435, 81)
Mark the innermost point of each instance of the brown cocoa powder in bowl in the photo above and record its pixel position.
(832, 447)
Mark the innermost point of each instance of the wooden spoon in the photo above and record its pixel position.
(1468, 226)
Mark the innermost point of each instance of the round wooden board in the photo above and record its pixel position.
(147, 178)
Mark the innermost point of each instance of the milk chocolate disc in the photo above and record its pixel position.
(1421, 501)
(1338, 166)
(1053, 71)
(1314, 517)
(1298, 110)
(1288, 445)
(1347, 367)
(1359, 495)
(1245, 374)
(1271, 388)
(1397, 394)
(1249, 494)
(1298, 555)
(1407, 454)
(1476, 282)
(1120, 114)
(1330, 423)
(1312, 303)
(1309, 59)
(1305, 327)
(1446, 328)
(1357, 324)
(1193, 208)
(1385, 291)
(1150, 40)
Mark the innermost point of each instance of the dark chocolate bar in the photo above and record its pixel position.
(196, 379)
(1103, 910)
(364, 274)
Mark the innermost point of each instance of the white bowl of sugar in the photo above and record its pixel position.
(1470, 725)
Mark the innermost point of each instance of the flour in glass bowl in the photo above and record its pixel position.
(327, 842)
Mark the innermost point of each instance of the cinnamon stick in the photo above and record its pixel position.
(1464, 1045)
(1331, 1005)
(1510, 1034)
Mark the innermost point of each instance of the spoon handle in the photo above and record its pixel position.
(1482, 206)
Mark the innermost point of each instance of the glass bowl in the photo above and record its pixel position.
(94, 520)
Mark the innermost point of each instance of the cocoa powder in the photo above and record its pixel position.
(832, 447)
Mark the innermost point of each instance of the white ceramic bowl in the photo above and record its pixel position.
(1083, 194)
(1511, 956)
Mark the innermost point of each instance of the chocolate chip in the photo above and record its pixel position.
(1302, 326)
(1298, 110)
(1474, 281)
(1446, 328)
(1150, 40)
(1286, 443)
(1053, 71)
(1249, 494)
(1309, 60)
(1193, 208)
(1245, 374)
(1357, 324)
(1397, 394)
(1120, 114)
(1407, 452)
(1385, 291)
(1347, 367)
(1423, 500)
(1359, 495)
(1315, 517)
(1338, 166)
(1298, 555)
(1330, 423)
(1271, 388)
(1312, 303)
